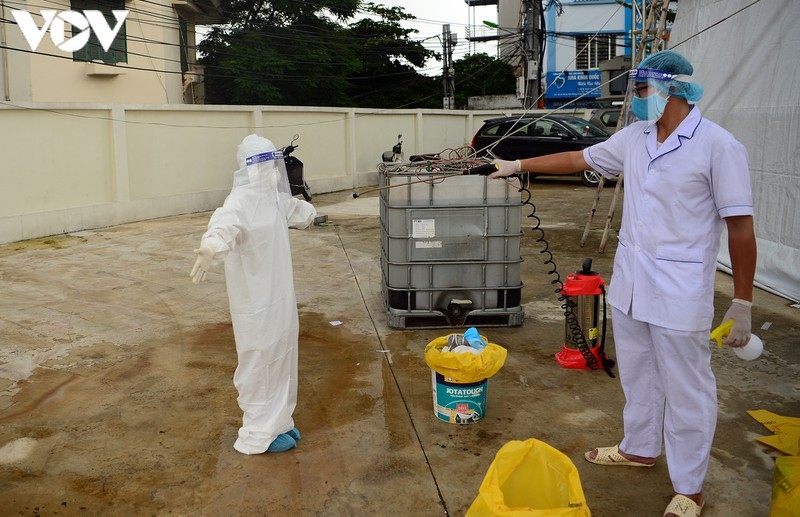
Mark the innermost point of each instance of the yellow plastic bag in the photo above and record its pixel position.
(532, 479)
(786, 429)
(786, 487)
(464, 367)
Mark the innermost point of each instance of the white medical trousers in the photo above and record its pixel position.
(669, 388)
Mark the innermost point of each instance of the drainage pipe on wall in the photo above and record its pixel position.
(4, 47)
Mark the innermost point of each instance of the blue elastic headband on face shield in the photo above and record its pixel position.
(641, 75)
(264, 157)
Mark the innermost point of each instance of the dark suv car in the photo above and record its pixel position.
(512, 138)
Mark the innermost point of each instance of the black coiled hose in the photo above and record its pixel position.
(566, 304)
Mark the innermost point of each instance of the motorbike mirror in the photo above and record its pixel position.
(399, 137)
(294, 138)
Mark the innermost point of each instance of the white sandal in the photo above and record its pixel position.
(612, 456)
(682, 506)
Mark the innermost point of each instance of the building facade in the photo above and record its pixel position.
(573, 52)
(138, 51)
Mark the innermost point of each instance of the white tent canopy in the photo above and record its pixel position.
(744, 53)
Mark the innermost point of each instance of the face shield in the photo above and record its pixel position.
(267, 172)
(648, 93)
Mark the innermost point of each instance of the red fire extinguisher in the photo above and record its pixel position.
(585, 332)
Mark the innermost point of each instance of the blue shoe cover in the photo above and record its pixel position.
(282, 443)
(294, 433)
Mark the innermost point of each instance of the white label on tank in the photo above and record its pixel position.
(428, 244)
(423, 228)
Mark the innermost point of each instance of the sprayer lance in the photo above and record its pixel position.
(482, 170)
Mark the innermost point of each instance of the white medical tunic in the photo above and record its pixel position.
(676, 196)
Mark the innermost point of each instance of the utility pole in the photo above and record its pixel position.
(532, 46)
(449, 72)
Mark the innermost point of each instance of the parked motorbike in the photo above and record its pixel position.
(294, 169)
(396, 154)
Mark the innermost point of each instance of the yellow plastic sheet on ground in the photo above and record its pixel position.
(464, 367)
(530, 479)
(786, 437)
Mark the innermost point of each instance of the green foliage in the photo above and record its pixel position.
(290, 52)
(387, 77)
(279, 52)
(480, 74)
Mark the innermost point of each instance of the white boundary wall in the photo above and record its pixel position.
(70, 167)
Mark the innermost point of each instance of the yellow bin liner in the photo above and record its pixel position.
(464, 367)
(530, 479)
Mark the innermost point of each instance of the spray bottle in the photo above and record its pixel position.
(752, 350)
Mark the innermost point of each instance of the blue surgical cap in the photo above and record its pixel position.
(671, 62)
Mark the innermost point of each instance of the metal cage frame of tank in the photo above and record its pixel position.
(450, 250)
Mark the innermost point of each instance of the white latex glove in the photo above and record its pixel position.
(505, 168)
(202, 264)
(739, 312)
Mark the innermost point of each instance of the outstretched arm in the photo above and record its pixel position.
(564, 163)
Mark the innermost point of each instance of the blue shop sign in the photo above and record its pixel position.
(573, 84)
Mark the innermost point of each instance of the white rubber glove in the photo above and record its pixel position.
(202, 264)
(739, 312)
(505, 168)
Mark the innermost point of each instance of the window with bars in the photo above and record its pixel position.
(93, 50)
(590, 51)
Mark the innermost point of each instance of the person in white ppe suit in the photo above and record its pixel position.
(686, 179)
(250, 233)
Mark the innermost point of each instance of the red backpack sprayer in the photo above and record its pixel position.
(584, 346)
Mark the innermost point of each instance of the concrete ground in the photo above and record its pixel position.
(116, 393)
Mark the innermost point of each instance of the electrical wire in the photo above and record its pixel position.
(565, 105)
(169, 21)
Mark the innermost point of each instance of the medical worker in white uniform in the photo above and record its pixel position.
(686, 179)
(250, 233)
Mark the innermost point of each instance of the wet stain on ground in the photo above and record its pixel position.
(128, 438)
(340, 398)
(44, 243)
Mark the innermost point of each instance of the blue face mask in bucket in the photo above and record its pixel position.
(650, 107)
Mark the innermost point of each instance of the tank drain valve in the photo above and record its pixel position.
(456, 306)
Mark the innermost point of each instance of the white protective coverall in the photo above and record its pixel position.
(250, 232)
